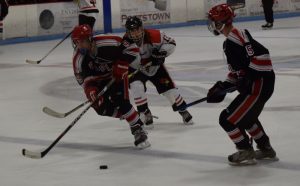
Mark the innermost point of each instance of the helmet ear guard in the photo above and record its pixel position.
(212, 27)
(218, 17)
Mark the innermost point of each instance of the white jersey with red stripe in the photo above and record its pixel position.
(244, 54)
(153, 39)
(93, 68)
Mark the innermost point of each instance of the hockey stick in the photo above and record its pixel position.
(56, 114)
(138, 70)
(39, 61)
(204, 99)
(53, 113)
(39, 155)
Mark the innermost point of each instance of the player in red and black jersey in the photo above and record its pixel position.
(251, 72)
(154, 47)
(96, 61)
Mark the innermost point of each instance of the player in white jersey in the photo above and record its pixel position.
(154, 47)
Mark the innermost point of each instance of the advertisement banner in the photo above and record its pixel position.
(295, 5)
(56, 18)
(152, 12)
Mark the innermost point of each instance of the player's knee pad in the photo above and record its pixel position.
(223, 121)
(137, 88)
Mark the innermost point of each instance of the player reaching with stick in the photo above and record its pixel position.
(251, 72)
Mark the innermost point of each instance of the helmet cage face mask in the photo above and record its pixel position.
(83, 45)
(135, 29)
(136, 34)
(215, 27)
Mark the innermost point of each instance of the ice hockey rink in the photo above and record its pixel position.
(180, 155)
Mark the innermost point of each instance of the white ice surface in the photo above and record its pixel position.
(180, 155)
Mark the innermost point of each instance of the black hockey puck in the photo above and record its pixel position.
(103, 167)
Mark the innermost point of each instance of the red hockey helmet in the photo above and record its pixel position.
(218, 17)
(82, 32)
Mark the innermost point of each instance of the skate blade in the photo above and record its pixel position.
(191, 122)
(268, 159)
(149, 126)
(267, 28)
(143, 145)
(244, 163)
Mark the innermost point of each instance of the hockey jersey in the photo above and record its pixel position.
(245, 55)
(153, 39)
(91, 69)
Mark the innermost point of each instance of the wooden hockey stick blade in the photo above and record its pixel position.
(33, 62)
(31, 154)
(53, 113)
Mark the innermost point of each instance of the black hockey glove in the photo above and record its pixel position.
(158, 57)
(216, 93)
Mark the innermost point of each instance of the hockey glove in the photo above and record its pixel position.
(120, 70)
(216, 93)
(158, 57)
(91, 93)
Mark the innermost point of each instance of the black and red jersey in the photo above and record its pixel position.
(245, 55)
(95, 68)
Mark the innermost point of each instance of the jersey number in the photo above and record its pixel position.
(249, 50)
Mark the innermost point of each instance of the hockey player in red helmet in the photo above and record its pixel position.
(82, 38)
(96, 61)
(251, 72)
(218, 17)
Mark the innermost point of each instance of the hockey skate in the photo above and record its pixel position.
(140, 139)
(242, 157)
(267, 153)
(186, 117)
(147, 119)
(267, 26)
